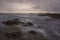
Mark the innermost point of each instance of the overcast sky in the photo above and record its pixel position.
(27, 6)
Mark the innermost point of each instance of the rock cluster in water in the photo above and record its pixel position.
(17, 21)
(11, 22)
(13, 33)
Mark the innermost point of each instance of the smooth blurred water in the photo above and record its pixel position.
(47, 26)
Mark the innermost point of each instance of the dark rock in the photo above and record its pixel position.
(22, 23)
(7, 35)
(33, 32)
(40, 27)
(10, 22)
(16, 34)
(29, 23)
(16, 19)
(13, 35)
(25, 25)
(55, 16)
(13, 22)
(42, 14)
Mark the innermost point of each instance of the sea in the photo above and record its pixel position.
(48, 26)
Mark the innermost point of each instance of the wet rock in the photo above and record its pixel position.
(25, 25)
(29, 23)
(33, 32)
(13, 35)
(13, 22)
(16, 19)
(33, 35)
(39, 26)
(54, 16)
(7, 35)
(42, 14)
(10, 22)
(16, 34)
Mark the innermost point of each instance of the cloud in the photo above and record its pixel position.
(30, 6)
(11, 1)
(47, 5)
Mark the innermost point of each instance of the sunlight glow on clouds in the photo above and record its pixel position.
(19, 8)
(27, 6)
